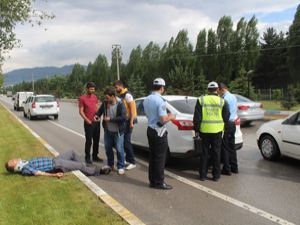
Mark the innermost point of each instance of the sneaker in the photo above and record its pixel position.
(97, 159)
(105, 170)
(130, 166)
(121, 171)
(126, 164)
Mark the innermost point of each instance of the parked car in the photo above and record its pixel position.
(20, 97)
(41, 106)
(249, 110)
(280, 137)
(180, 130)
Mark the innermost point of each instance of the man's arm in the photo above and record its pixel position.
(197, 117)
(82, 114)
(40, 173)
(132, 113)
(225, 112)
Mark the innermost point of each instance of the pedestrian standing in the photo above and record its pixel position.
(155, 109)
(230, 164)
(211, 112)
(88, 106)
(114, 117)
(131, 114)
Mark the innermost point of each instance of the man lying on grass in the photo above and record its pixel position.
(53, 167)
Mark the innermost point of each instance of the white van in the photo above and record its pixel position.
(21, 97)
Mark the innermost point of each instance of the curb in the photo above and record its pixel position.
(129, 217)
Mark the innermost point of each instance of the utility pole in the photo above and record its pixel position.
(117, 49)
(32, 79)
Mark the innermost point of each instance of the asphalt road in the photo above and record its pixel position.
(260, 193)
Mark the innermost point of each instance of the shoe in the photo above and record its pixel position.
(130, 166)
(152, 185)
(202, 178)
(126, 164)
(234, 170)
(88, 161)
(97, 159)
(105, 170)
(216, 179)
(163, 186)
(225, 172)
(121, 171)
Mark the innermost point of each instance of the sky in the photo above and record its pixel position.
(81, 30)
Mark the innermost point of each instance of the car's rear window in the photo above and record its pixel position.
(240, 98)
(45, 99)
(184, 105)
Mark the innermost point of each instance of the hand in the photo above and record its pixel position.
(172, 116)
(131, 125)
(88, 121)
(106, 118)
(59, 175)
(96, 118)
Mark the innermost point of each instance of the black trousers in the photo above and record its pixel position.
(158, 147)
(228, 148)
(211, 145)
(92, 136)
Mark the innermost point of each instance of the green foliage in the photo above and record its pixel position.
(136, 86)
(297, 93)
(13, 13)
(289, 100)
(242, 85)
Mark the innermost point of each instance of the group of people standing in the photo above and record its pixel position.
(119, 117)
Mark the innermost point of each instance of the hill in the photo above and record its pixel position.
(26, 74)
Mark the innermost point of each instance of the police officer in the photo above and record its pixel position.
(211, 112)
(155, 109)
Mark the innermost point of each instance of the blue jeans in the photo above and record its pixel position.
(127, 144)
(114, 139)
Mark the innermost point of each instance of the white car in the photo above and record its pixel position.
(280, 137)
(180, 130)
(20, 97)
(41, 106)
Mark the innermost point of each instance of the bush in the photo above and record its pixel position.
(289, 100)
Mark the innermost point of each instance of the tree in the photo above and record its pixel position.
(200, 51)
(211, 69)
(136, 86)
(294, 47)
(13, 13)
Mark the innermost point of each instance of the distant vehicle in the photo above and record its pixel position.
(9, 94)
(180, 130)
(21, 97)
(280, 137)
(40, 106)
(249, 110)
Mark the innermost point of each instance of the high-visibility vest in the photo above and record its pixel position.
(212, 120)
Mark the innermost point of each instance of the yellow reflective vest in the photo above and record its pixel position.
(212, 120)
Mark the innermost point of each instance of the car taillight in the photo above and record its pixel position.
(184, 124)
(33, 105)
(237, 121)
(243, 107)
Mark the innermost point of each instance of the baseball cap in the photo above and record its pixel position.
(212, 84)
(90, 85)
(159, 82)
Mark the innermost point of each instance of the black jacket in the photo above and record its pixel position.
(120, 115)
(198, 114)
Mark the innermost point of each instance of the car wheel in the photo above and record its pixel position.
(269, 148)
(55, 117)
(30, 117)
(24, 114)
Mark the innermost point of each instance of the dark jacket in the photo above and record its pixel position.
(120, 115)
(198, 114)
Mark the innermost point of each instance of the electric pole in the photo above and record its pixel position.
(32, 79)
(116, 49)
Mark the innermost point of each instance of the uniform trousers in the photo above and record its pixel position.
(228, 148)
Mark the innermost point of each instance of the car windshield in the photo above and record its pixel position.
(184, 105)
(240, 98)
(45, 99)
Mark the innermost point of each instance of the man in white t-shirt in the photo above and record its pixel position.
(131, 114)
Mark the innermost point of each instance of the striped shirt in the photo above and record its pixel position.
(43, 164)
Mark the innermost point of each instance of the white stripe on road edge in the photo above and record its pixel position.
(100, 193)
(216, 194)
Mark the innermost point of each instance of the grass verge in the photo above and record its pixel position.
(42, 200)
(276, 105)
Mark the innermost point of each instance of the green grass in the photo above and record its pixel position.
(276, 105)
(42, 200)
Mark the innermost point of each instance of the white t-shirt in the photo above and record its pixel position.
(128, 98)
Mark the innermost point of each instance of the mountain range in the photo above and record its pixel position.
(27, 74)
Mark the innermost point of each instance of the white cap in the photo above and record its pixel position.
(212, 84)
(159, 82)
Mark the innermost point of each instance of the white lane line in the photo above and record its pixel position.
(209, 191)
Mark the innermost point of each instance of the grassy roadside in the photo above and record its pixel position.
(276, 105)
(42, 200)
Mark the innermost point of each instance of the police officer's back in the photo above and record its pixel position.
(211, 112)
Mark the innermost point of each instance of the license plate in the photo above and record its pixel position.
(46, 106)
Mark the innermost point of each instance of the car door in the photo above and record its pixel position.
(290, 135)
(139, 133)
(26, 105)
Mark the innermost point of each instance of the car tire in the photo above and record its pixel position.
(24, 114)
(55, 117)
(269, 148)
(30, 117)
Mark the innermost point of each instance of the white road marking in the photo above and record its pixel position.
(209, 191)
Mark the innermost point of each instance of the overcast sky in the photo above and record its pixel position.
(83, 29)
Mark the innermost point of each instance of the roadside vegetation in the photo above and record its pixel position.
(276, 105)
(42, 200)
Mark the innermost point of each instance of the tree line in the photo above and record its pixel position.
(237, 56)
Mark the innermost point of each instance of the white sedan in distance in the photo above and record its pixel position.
(280, 137)
(180, 130)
